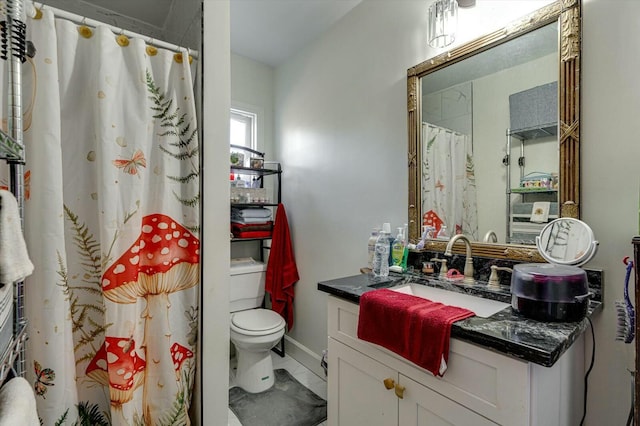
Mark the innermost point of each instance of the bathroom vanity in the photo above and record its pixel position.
(502, 370)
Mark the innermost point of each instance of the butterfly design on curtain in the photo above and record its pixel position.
(44, 378)
(130, 166)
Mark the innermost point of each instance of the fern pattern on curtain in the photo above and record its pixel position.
(112, 225)
(448, 181)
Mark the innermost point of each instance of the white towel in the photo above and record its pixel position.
(14, 259)
(252, 212)
(540, 212)
(18, 404)
(250, 220)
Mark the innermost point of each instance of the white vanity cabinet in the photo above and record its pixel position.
(369, 385)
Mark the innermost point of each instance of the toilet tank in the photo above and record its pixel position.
(246, 284)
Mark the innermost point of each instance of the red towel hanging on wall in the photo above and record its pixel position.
(282, 272)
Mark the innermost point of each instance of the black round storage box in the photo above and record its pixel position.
(547, 292)
(558, 290)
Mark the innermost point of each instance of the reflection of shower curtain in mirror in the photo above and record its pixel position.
(448, 181)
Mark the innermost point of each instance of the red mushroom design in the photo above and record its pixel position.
(117, 365)
(163, 260)
(179, 354)
(431, 218)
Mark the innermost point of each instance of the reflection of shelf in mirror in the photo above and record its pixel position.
(528, 216)
(536, 132)
(532, 190)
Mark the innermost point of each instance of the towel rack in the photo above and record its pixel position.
(13, 50)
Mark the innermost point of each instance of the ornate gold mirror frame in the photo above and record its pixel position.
(567, 14)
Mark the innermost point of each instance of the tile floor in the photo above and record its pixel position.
(297, 370)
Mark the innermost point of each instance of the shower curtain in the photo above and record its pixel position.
(112, 225)
(448, 181)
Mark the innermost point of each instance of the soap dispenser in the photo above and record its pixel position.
(397, 248)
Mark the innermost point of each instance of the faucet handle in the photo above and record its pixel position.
(443, 266)
(494, 280)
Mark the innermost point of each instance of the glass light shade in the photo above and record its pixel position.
(443, 22)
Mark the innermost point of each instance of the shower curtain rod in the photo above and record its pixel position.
(81, 20)
(444, 128)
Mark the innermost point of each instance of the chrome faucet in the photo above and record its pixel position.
(468, 264)
(491, 235)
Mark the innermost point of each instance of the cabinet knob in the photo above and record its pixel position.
(389, 383)
(400, 391)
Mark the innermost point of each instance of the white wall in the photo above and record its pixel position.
(610, 175)
(341, 131)
(214, 330)
(341, 128)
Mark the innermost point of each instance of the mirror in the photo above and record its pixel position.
(567, 241)
(450, 106)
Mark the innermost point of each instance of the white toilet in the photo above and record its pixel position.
(254, 331)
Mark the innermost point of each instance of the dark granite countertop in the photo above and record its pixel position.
(506, 331)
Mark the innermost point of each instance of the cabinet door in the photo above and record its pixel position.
(356, 391)
(421, 406)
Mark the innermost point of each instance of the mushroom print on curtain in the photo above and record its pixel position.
(112, 226)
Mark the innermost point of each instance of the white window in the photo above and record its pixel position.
(243, 129)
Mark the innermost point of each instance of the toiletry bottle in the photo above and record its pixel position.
(397, 248)
(372, 245)
(425, 234)
(381, 257)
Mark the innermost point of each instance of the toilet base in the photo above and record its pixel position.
(255, 370)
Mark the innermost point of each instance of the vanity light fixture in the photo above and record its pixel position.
(443, 22)
(466, 3)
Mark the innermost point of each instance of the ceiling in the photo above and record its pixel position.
(152, 12)
(268, 31)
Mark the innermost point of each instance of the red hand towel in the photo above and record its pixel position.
(282, 272)
(415, 328)
(252, 234)
(241, 227)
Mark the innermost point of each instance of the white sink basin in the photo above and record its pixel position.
(481, 307)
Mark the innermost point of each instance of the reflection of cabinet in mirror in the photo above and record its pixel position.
(532, 196)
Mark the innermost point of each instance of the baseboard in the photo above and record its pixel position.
(304, 356)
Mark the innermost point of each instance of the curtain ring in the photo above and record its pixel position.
(179, 57)
(151, 49)
(122, 39)
(83, 29)
(38, 14)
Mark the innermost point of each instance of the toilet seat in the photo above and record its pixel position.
(256, 322)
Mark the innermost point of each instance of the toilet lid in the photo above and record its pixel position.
(257, 320)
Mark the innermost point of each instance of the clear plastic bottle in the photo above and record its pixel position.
(372, 245)
(397, 248)
(381, 256)
(443, 234)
